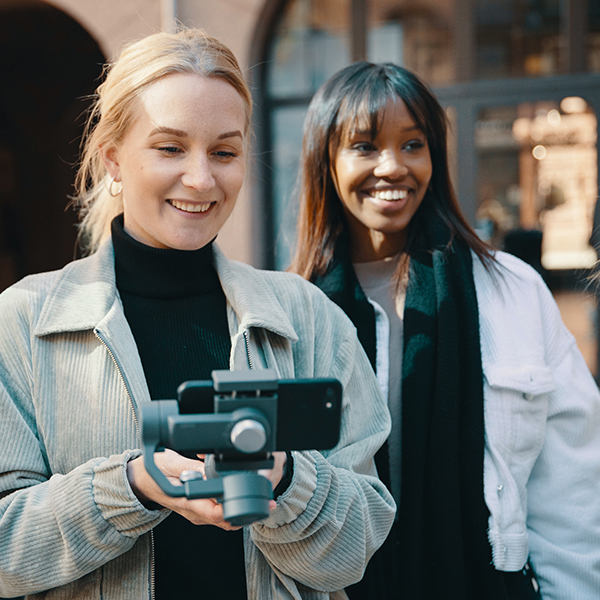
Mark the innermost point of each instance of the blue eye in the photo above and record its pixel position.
(225, 154)
(169, 149)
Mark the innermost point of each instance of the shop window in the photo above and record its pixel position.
(312, 42)
(287, 137)
(538, 185)
(416, 35)
(518, 38)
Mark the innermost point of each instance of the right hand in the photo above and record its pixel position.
(199, 512)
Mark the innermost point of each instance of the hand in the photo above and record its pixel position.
(199, 512)
(275, 474)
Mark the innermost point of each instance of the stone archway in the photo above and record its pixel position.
(50, 67)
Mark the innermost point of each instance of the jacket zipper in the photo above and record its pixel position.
(137, 428)
(139, 439)
(247, 341)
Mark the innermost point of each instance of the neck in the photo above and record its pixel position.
(375, 246)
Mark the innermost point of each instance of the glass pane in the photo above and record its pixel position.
(287, 138)
(593, 38)
(416, 34)
(517, 38)
(310, 43)
(537, 183)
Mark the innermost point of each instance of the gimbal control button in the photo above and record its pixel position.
(248, 436)
(190, 476)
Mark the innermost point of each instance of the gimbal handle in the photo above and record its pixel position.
(153, 414)
(244, 495)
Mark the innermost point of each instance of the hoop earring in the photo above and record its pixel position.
(110, 188)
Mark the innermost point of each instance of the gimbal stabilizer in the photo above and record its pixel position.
(241, 433)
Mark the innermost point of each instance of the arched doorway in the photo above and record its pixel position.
(50, 67)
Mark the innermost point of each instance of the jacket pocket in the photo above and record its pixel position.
(529, 380)
(516, 408)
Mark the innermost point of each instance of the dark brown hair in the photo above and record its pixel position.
(358, 92)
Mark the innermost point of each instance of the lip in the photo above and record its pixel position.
(190, 208)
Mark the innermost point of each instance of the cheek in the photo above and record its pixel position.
(233, 180)
(426, 169)
(348, 178)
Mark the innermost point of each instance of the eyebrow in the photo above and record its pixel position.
(236, 133)
(181, 133)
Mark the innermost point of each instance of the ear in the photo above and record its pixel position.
(110, 158)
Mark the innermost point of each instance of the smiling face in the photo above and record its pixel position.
(182, 162)
(381, 181)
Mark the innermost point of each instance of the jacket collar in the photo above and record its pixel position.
(251, 298)
(82, 294)
(85, 291)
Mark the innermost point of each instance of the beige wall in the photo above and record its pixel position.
(113, 23)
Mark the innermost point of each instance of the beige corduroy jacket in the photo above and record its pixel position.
(71, 383)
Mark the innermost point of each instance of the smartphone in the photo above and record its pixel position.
(308, 410)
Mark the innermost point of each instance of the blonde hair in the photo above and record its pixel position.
(139, 65)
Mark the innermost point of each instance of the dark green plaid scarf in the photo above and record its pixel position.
(438, 548)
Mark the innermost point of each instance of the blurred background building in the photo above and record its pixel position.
(520, 80)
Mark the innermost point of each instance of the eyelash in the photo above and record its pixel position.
(169, 149)
(172, 150)
(365, 147)
(415, 145)
(226, 154)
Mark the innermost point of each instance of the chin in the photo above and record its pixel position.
(189, 245)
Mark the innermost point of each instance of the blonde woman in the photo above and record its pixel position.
(155, 304)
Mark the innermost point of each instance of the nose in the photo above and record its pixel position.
(390, 165)
(198, 174)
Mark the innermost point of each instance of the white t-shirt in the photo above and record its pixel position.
(380, 284)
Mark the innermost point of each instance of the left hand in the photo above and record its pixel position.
(275, 474)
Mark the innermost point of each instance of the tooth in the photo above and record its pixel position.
(188, 207)
(390, 194)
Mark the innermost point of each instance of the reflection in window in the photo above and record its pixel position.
(311, 43)
(416, 35)
(517, 38)
(538, 185)
(538, 171)
(287, 137)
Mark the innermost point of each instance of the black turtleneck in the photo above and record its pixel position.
(176, 308)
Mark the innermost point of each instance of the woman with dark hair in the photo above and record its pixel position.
(494, 455)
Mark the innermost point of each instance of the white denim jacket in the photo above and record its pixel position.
(542, 428)
(542, 425)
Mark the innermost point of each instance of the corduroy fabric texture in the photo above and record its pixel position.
(71, 383)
